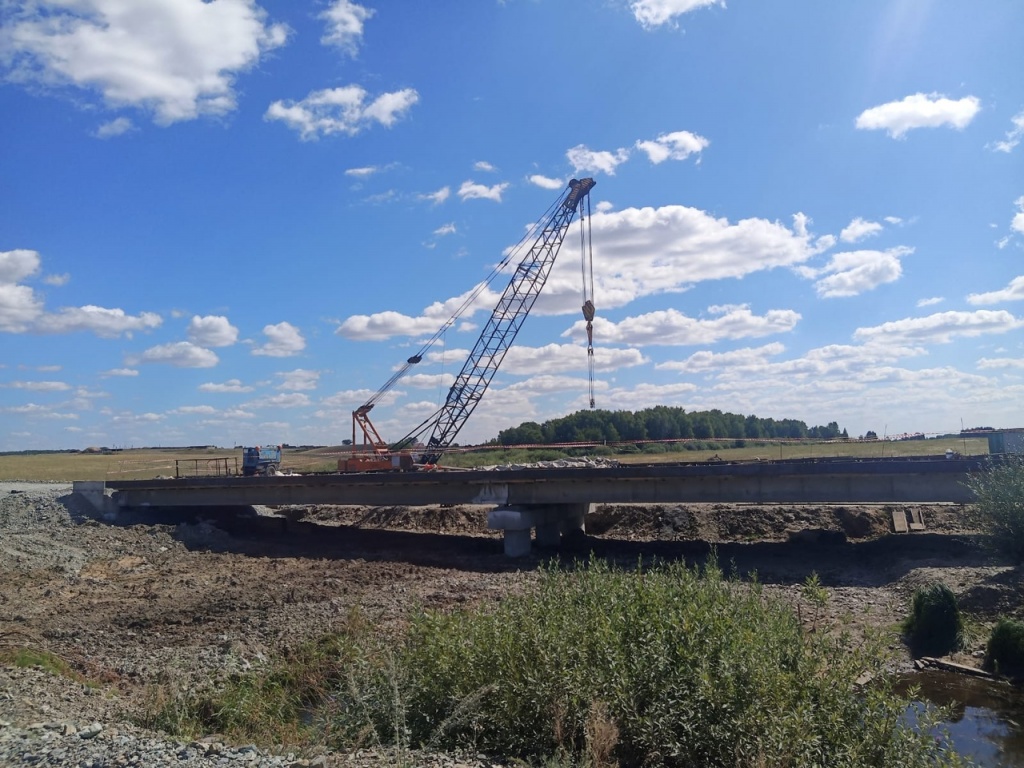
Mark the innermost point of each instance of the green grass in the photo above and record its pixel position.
(594, 665)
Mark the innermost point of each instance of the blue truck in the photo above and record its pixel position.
(261, 460)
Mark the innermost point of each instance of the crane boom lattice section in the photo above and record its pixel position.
(505, 321)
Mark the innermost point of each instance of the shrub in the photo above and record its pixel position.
(934, 626)
(1000, 502)
(1005, 652)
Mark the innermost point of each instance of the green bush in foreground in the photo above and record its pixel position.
(934, 626)
(1005, 652)
(599, 666)
(1000, 502)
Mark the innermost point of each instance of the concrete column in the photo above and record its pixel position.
(95, 492)
(574, 524)
(556, 524)
(516, 523)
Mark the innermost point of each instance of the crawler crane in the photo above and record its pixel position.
(495, 340)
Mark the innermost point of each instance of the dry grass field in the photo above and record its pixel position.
(147, 463)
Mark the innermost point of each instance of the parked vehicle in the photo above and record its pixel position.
(261, 460)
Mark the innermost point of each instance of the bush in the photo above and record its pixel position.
(1005, 652)
(597, 666)
(934, 626)
(1000, 501)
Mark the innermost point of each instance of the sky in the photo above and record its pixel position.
(228, 222)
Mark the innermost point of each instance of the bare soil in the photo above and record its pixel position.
(161, 598)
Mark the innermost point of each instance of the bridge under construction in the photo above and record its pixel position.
(554, 501)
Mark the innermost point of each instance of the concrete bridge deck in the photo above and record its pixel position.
(554, 500)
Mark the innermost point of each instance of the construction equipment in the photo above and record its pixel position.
(261, 460)
(495, 340)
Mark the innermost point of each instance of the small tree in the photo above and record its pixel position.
(1005, 652)
(1000, 499)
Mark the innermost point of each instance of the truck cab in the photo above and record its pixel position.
(261, 460)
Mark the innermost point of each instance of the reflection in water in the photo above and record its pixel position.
(987, 719)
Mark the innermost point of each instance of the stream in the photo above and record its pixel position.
(987, 722)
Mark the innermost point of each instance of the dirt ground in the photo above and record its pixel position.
(158, 598)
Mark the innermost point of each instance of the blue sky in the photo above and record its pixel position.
(227, 222)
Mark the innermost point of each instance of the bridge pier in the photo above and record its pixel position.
(555, 523)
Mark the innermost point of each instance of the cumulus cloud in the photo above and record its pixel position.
(655, 13)
(40, 386)
(483, 166)
(212, 331)
(345, 21)
(919, 110)
(858, 229)
(930, 301)
(637, 252)
(22, 311)
(472, 191)
(125, 372)
(567, 358)
(57, 280)
(1013, 136)
(673, 146)
(706, 360)
(853, 272)
(1012, 292)
(363, 172)
(445, 229)
(299, 379)
(586, 160)
(940, 328)
(229, 386)
(544, 182)
(1000, 362)
(1017, 223)
(180, 354)
(344, 110)
(178, 58)
(671, 327)
(283, 340)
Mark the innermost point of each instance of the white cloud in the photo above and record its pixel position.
(546, 183)
(180, 354)
(57, 280)
(229, 386)
(940, 328)
(283, 340)
(179, 58)
(106, 323)
(673, 146)
(567, 358)
(858, 229)
(1013, 136)
(1012, 292)
(341, 110)
(671, 327)
(854, 272)
(583, 159)
(293, 400)
(16, 265)
(654, 13)
(706, 360)
(930, 301)
(117, 127)
(445, 229)
(192, 410)
(212, 331)
(299, 379)
(345, 21)
(437, 197)
(638, 252)
(1017, 223)
(919, 111)
(1001, 362)
(362, 173)
(39, 386)
(484, 166)
(472, 191)
(126, 372)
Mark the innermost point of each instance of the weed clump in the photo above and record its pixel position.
(1005, 651)
(934, 626)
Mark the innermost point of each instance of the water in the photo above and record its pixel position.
(987, 722)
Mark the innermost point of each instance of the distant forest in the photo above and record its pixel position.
(661, 423)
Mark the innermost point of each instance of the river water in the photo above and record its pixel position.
(987, 722)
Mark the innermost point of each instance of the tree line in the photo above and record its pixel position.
(661, 423)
